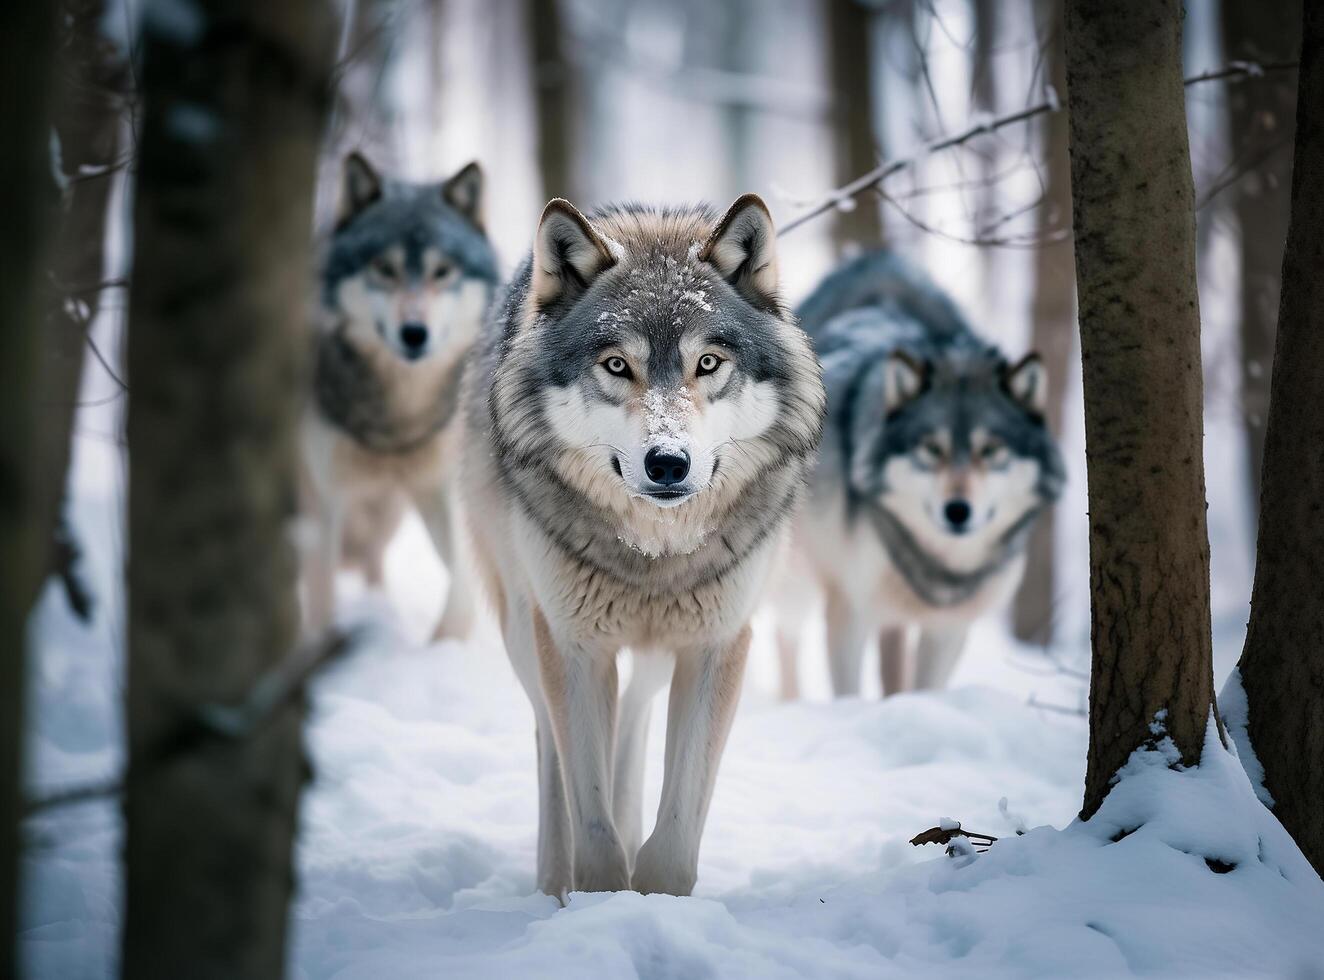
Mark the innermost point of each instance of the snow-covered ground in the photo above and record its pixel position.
(417, 852)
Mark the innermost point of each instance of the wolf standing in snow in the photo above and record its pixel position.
(406, 280)
(935, 463)
(641, 413)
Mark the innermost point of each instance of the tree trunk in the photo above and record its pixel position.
(235, 99)
(26, 42)
(850, 26)
(1052, 335)
(1260, 135)
(554, 96)
(1282, 664)
(1134, 219)
(88, 87)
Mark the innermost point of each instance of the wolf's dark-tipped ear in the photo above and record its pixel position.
(568, 253)
(464, 192)
(903, 379)
(1027, 382)
(743, 249)
(362, 187)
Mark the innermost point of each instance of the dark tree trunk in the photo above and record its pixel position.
(1052, 335)
(1134, 219)
(234, 105)
(26, 43)
(555, 100)
(88, 91)
(850, 28)
(1260, 136)
(1282, 664)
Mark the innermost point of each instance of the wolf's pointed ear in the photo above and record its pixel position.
(464, 192)
(743, 249)
(1027, 382)
(903, 380)
(568, 253)
(362, 187)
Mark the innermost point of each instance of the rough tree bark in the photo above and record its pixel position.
(1260, 135)
(89, 83)
(1282, 663)
(850, 58)
(235, 96)
(1052, 335)
(555, 99)
(1134, 219)
(26, 42)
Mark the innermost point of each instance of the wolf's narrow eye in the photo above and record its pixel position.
(441, 272)
(993, 453)
(708, 364)
(617, 366)
(931, 450)
(384, 269)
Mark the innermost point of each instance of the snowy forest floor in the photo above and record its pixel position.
(417, 849)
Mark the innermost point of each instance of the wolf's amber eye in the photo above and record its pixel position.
(708, 364)
(617, 366)
(441, 272)
(931, 450)
(384, 269)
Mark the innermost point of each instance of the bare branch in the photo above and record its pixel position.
(274, 690)
(874, 178)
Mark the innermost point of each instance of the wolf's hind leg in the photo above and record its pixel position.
(846, 632)
(892, 660)
(788, 661)
(580, 687)
(939, 651)
(438, 513)
(650, 674)
(704, 694)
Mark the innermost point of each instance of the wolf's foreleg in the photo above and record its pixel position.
(846, 633)
(580, 688)
(939, 651)
(554, 872)
(437, 512)
(651, 673)
(321, 560)
(704, 694)
(892, 650)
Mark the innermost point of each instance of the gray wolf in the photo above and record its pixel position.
(642, 413)
(934, 465)
(406, 279)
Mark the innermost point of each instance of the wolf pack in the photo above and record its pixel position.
(631, 443)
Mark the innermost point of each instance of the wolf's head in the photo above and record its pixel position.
(653, 367)
(409, 268)
(962, 456)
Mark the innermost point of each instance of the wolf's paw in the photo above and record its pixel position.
(610, 873)
(658, 872)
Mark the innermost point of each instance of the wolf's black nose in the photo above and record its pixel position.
(957, 513)
(667, 467)
(414, 336)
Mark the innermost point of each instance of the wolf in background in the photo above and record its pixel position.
(934, 465)
(407, 277)
(642, 414)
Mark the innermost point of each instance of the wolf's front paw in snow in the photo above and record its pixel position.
(607, 871)
(658, 871)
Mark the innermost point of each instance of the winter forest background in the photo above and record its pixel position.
(414, 853)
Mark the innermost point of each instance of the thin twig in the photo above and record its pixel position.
(280, 686)
(875, 177)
